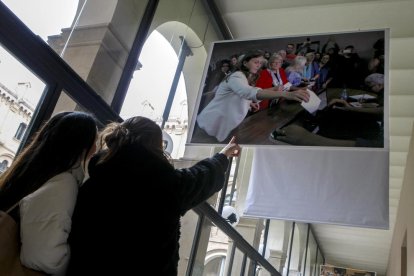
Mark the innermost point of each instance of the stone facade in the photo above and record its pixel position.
(15, 115)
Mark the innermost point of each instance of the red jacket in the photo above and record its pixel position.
(265, 80)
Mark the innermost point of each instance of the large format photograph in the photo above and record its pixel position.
(329, 270)
(320, 90)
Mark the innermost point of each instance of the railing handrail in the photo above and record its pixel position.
(238, 240)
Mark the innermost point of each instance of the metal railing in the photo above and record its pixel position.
(205, 210)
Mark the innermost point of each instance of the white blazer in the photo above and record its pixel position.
(229, 106)
(45, 223)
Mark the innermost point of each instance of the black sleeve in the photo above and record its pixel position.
(201, 181)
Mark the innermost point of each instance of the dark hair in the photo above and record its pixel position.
(55, 148)
(225, 61)
(379, 47)
(136, 130)
(247, 57)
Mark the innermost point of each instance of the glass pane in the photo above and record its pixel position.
(188, 226)
(298, 249)
(239, 264)
(93, 37)
(311, 256)
(178, 42)
(44, 17)
(319, 261)
(217, 252)
(215, 266)
(278, 243)
(20, 91)
(147, 94)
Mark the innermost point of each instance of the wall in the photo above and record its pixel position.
(404, 225)
(353, 16)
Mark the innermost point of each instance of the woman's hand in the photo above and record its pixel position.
(339, 102)
(278, 88)
(254, 106)
(232, 149)
(297, 95)
(297, 135)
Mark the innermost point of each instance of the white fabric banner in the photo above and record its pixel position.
(336, 186)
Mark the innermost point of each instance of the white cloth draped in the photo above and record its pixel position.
(335, 186)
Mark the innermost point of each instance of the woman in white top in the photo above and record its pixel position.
(234, 96)
(45, 178)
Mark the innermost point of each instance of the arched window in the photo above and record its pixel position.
(3, 166)
(20, 131)
(215, 266)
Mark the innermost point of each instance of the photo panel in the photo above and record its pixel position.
(344, 73)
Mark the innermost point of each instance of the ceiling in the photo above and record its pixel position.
(343, 246)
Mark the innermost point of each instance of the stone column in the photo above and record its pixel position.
(276, 259)
(99, 44)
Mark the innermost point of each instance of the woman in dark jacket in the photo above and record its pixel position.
(127, 217)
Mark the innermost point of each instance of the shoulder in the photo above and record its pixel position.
(59, 193)
(62, 183)
(237, 74)
(265, 73)
(130, 160)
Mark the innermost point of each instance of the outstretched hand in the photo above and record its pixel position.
(232, 149)
(297, 135)
(292, 134)
(298, 95)
(339, 102)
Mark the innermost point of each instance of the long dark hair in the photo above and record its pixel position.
(62, 142)
(133, 131)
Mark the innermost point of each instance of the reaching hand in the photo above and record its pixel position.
(278, 88)
(254, 107)
(339, 102)
(292, 134)
(298, 95)
(232, 149)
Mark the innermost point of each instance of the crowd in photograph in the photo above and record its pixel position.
(245, 83)
(330, 66)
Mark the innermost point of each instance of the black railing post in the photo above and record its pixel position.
(224, 190)
(194, 247)
(132, 60)
(185, 51)
(290, 248)
(230, 266)
(306, 250)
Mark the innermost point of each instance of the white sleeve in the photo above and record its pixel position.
(238, 83)
(46, 218)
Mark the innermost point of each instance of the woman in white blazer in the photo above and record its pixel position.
(235, 94)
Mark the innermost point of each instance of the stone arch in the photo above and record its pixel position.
(214, 257)
(194, 63)
(7, 156)
(108, 37)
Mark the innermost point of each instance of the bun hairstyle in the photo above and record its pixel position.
(139, 131)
